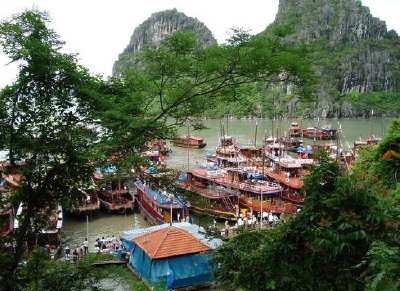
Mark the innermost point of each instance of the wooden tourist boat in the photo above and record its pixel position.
(6, 219)
(263, 203)
(247, 185)
(160, 207)
(49, 235)
(228, 154)
(320, 133)
(215, 200)
(88, 203)
(251, 154)
(160, 145)
(256, 194)
(294, 130)
(227, 157)
(7, 213)
(189, 141)
(115, 197)
(288, 172)
(113, 193)
(362, 142)
(290, 144)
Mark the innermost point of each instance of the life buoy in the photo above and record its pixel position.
(287, 180)
(155, 197)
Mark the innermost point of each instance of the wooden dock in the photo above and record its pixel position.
(109, 263)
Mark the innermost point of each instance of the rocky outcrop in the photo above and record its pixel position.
(354, 52)
(150, 33)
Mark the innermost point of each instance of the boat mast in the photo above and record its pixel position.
(188, 150)
(337, 142)
(372, 117)
(227, 124)
(255, 136)
(263, 153)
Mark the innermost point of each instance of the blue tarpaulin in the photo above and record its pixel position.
(174, 272)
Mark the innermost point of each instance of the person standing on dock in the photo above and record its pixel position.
(67, 252)
(86, 246)
(226, 229)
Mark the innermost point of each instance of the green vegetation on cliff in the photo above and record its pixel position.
(151, 32)
(353, 53)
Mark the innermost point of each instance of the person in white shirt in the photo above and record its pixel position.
(86, 246)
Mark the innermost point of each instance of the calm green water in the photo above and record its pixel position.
(245, 133)
(101, 224)
(75, 229)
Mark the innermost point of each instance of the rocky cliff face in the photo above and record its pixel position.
(151, 32)
(354, 52)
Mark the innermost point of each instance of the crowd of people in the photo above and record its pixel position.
(109, 244)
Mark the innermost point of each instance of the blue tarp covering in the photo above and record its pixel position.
(179, 271)
(254, 175)
(302, 150)
(109, 169)
(174, 272)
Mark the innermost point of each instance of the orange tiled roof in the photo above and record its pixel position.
(169, 242)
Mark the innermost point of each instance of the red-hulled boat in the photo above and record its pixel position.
(158, 206)
(6, 219)
(115, 197)
(320, 133)
(189, 141)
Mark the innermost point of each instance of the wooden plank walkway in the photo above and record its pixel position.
(108, 263)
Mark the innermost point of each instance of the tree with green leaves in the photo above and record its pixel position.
(60, 120)
(179, 80)
(45, 123)
(322, 247)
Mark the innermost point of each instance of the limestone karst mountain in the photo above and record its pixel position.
(353, 51)
(150, 33)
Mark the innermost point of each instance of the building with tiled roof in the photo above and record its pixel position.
(177, 256)
(169, 242)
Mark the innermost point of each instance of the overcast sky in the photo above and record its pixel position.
(99, 30)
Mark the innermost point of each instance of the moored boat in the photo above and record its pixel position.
(88, 203)
(6, 220)
(115, 197)
(113, 193)
(189, 141)
(160, 206)
(320, 133)
(160, 145)
(294, 130)
(213, 200)
(49, 235)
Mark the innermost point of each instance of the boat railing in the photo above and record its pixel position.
(161, 198)
(267, 187)
(115, 191)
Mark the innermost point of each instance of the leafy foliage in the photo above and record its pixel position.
(45, 123)
(322, 246)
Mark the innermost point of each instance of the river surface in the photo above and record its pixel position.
(246, 132)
